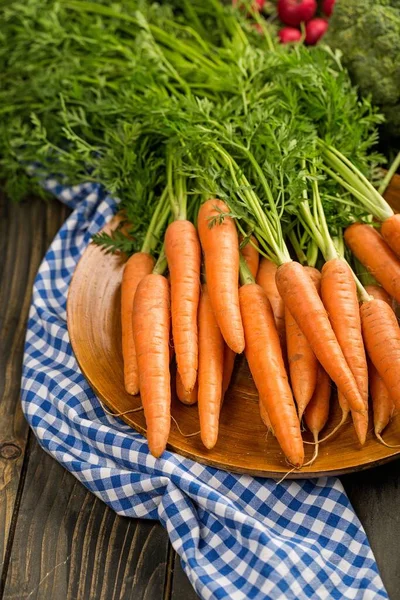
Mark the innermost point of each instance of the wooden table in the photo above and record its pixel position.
(57, 541)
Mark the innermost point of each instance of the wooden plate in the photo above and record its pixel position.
(93, 314)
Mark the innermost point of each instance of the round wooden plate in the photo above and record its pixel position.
(93, 314)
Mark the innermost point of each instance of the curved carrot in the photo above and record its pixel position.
(317, 412)
(251, 255)
(302, 300)
(266, 279)
(339, 295)
(382, 340)
(184, 396)
(182, 249)
(219, 240)
(303, 364)
(138, 266)
(264, 355)
(390, 231)
(372, 251)
(210, 374)
(229, 363)
(382, 403)
(151, 326)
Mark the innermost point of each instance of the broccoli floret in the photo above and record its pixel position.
(368, 34)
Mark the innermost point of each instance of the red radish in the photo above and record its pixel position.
(315, 29)
(293, 12)
(289, 34)
(327, 7)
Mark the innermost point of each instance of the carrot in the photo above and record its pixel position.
(137, 266)
(372, 251)
(382, 341)
(264, 355)
(219, 240)
(390, 231)
(229, 363)
(339, 295)
(303, 365)
(182, 249)
(151, 328)
(266, 279)
(302, 300)
(265, 418)
(317, 411)
(382, 403)
(210, 374)
(184, 396)
(251, 255)
(377, 292)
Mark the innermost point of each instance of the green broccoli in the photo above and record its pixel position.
(368, 34)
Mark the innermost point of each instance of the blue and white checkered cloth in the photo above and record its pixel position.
(239, 537)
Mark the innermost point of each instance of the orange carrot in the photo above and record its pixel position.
(303, 365)
(138, 265)
(219, 240)
(251, 255)
(317, 412)
(266, 279)
(265, 418)
(372, 251)
(210, 374)
(264, 355)
(377, 292)
(229, 363)
(382, 403)
(151, 328)
(302, 300)
(390, 231)
(382, 341)
(339, 295)
(344, 407)
(182, 249)
(184, 396)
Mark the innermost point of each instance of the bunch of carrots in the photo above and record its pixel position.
(265, 153)
(300, 328)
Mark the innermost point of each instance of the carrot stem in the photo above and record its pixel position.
(388, 177)
(161, 265)
(157, 223)
(244, 272)
(353, 180)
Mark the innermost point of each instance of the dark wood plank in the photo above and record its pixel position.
(68, 545)
(375, 496)
(181, 588)
(64, 543)
(25, 232)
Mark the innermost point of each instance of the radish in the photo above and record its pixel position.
(293, 12)
(327, 7)
(315, 29)
(289, 34)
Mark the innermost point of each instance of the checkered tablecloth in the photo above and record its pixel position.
(239, 537)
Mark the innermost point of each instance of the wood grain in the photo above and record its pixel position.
(182, 588)
(25, 232)
(375, 498)
(93, 313)
(69, 545)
